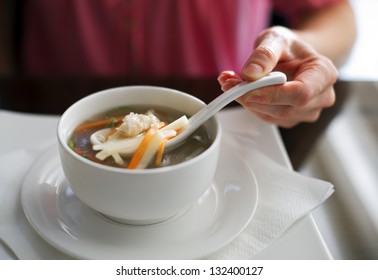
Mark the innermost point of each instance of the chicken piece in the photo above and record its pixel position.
(134, 124)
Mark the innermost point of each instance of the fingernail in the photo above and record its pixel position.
(253, 70)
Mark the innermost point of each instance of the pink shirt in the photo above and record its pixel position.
(149, 37)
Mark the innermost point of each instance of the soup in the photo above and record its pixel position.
(95, 139)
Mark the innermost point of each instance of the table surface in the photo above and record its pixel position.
(301, 241)
(38, 102)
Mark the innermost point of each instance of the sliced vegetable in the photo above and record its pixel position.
(151, 150)
(71, 144)
(143, 147)
(99, 137)
(160, 152)
(178, 124)
(112, 131)
(111, 123)
(125, 146)
(118, 159)
(168, 134)
(135, 160)
(104, 122)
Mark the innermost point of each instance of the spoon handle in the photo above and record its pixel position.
(273, 78)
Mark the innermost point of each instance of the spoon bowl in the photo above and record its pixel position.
(209, 110)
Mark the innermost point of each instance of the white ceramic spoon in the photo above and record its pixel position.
(273, 78)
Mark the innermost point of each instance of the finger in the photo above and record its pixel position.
(293, 93)
(228, 79)
(286, 94)
(265, 56)
(279, 122)
(311, 116)
(230, 83)
(308, 113)
(225, 75)
(274, 111)
(317, 74)
(324, 100)
(305, 89)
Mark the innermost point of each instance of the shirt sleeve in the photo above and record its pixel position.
(291, 10)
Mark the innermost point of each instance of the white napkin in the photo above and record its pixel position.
(15, 230)
(285, 196)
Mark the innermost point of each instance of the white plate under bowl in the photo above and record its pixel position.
(213, 221)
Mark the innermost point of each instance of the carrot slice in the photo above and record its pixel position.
(111, 132)
(98, 123)
(133, 164)
(160, 152)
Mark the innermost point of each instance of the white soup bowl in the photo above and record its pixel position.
(137, 196)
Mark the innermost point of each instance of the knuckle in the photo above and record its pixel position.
(334, 75)
(301, 95)
(314, 116)
(289, 124)
(332, 72)
(265, 52)
(285, 112)
(331, 100)
(304, 97)
(265, 117)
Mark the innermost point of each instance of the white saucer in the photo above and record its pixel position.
(212, 222)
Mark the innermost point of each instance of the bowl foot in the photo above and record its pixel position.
(135, 222)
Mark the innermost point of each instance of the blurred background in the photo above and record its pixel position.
(347, 152)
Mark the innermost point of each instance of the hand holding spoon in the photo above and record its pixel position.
(209, 110)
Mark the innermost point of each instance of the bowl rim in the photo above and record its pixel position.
(71, 153)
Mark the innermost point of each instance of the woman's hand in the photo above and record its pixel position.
(310, 79)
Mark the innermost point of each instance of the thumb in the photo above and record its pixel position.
(263, 59)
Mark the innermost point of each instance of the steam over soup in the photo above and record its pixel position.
(134, 137)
